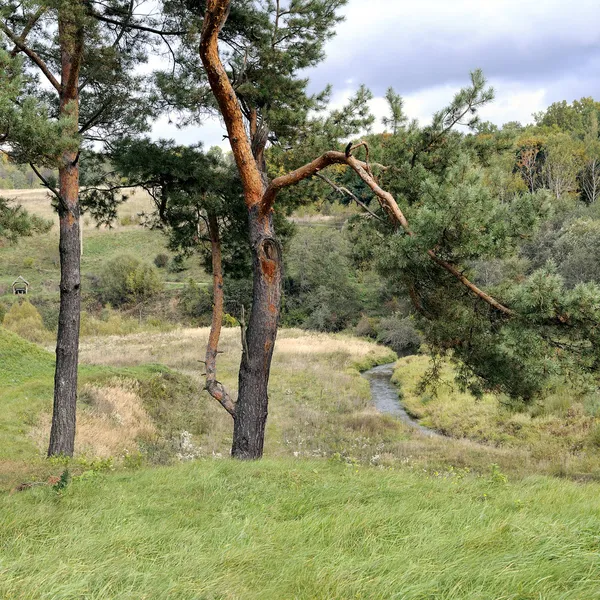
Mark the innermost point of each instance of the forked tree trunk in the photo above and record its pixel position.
(250, 411)
(252, 403)
(62, 434)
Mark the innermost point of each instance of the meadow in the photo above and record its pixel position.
(348, 503)
(37, 259)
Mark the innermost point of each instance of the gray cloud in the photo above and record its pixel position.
(414, 46)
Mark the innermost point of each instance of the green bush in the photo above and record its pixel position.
(229, 321)
(196, 302)
(366, 327)
(161, 260)
(320, 288)
(127, 280)
(24, 320)
(400, 335)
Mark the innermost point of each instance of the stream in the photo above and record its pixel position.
(385, 397)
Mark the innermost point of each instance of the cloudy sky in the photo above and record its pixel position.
(532, 52)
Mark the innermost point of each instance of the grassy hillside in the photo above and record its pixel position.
(37, 259)
(564, 425)
(300, 529)
(131, 407)
(112, 417)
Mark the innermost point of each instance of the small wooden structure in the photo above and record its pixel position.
(20, 286)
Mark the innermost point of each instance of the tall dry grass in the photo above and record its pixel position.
(111, 420)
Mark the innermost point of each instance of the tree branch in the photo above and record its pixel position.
(387, 202)
(35, 58)
(130, 25)
(347, 192)
(46, 184)
(30, 25)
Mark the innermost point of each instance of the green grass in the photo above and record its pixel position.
(26, 387)
(300, 529)
(38, 262)
(560, 424)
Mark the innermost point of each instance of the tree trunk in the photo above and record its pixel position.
(252, 404)
(62, 434)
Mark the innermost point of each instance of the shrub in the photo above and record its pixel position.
(400, 335)
(24, 320)
(229, 321)
(196, 301)
(320, 282)
(238, 293)
(127, 280)
(366, 327)
(161, 260)
(176, 264)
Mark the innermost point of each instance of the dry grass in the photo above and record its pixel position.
(39, 202)
(110, 421)
(314, 384)
(321, 406)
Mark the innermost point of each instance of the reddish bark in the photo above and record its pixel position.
(62, 434)
(251, 409)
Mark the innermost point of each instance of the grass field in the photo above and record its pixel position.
(308, 529)
(562, 425)
(37, 260)
(349, 503)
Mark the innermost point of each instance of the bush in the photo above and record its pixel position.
(229, 321)
(320, 290)
(400, 335)
(176, 264)
(24, 320)
(366, 327)
(161, 260)
(196, 302)
(127, 280)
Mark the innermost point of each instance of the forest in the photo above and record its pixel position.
(331, 309)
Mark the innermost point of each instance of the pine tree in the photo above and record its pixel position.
(86, 62)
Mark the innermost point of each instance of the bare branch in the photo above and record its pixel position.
(46, 183)
(27, 29)
(131, 25)
(347, 192)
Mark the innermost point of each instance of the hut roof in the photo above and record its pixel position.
(20, 279)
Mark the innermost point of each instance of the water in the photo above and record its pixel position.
(385, 397)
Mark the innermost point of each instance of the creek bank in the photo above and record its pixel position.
(385, 397)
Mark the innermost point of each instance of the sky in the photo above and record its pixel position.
(532, 52)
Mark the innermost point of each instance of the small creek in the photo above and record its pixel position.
(385, 397)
